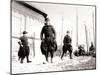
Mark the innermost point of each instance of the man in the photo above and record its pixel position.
(48, 36)
(67, 45)
(91, 49)
(25, 47)
(48, 31)
(81, 50)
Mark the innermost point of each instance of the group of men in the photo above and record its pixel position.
(48, 35)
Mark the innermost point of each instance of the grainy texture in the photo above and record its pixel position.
(77, 63)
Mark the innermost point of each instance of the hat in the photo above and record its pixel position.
(67, 31)
(24, 32)
(47, 19)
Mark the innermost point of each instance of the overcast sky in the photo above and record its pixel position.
(63, 18)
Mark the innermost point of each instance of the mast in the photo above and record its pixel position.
(34, 44)
(93, 27)
(86, 38)
(76, 27)
(62, 32)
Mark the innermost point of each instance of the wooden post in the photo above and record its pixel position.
(93, 27)
(62, 32)
(20, 27)
(25, 23)
(34, 44)
(61, 35)
(76, 27)
(86, 38)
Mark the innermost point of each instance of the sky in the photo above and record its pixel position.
(67, 17)
(62, 17)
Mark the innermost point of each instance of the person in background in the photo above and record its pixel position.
(91, 49)
(24, 46)
(67, 45)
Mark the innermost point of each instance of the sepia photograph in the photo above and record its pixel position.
(52, 37)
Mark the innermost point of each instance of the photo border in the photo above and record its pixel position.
(59, 4)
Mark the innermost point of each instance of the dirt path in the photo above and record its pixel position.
(76, 63)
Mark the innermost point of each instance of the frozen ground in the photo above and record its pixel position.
(77, 63)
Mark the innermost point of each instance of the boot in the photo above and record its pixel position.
(28, 60)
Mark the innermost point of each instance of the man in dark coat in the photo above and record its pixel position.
(67, 45)
(48, 36)
(24, 46)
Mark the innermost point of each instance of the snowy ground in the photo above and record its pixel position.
(77, 63)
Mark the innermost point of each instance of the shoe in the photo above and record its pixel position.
(71, 58)
(29, 61)
(21, 62)
(44, 63)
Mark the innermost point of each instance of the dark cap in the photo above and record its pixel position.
(47, 19)
(24, 32)
(67, 31)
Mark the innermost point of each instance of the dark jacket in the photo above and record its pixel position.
(24, 40)
(48, 31)
(67, 39)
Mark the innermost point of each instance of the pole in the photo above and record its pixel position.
(76, 27)
(86, 38)
(72, 32)
(62, 32)
(90, 36)
(93, 27)
(20, 28)
(34, 44)
(25, 24)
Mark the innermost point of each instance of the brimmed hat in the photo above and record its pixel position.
(24, 32)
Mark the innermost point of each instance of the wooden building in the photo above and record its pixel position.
(29, 18)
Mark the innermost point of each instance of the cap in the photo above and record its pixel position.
(47, 18)
(24, 32)
(67, 31)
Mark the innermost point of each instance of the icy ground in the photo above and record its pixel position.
(77, 63)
